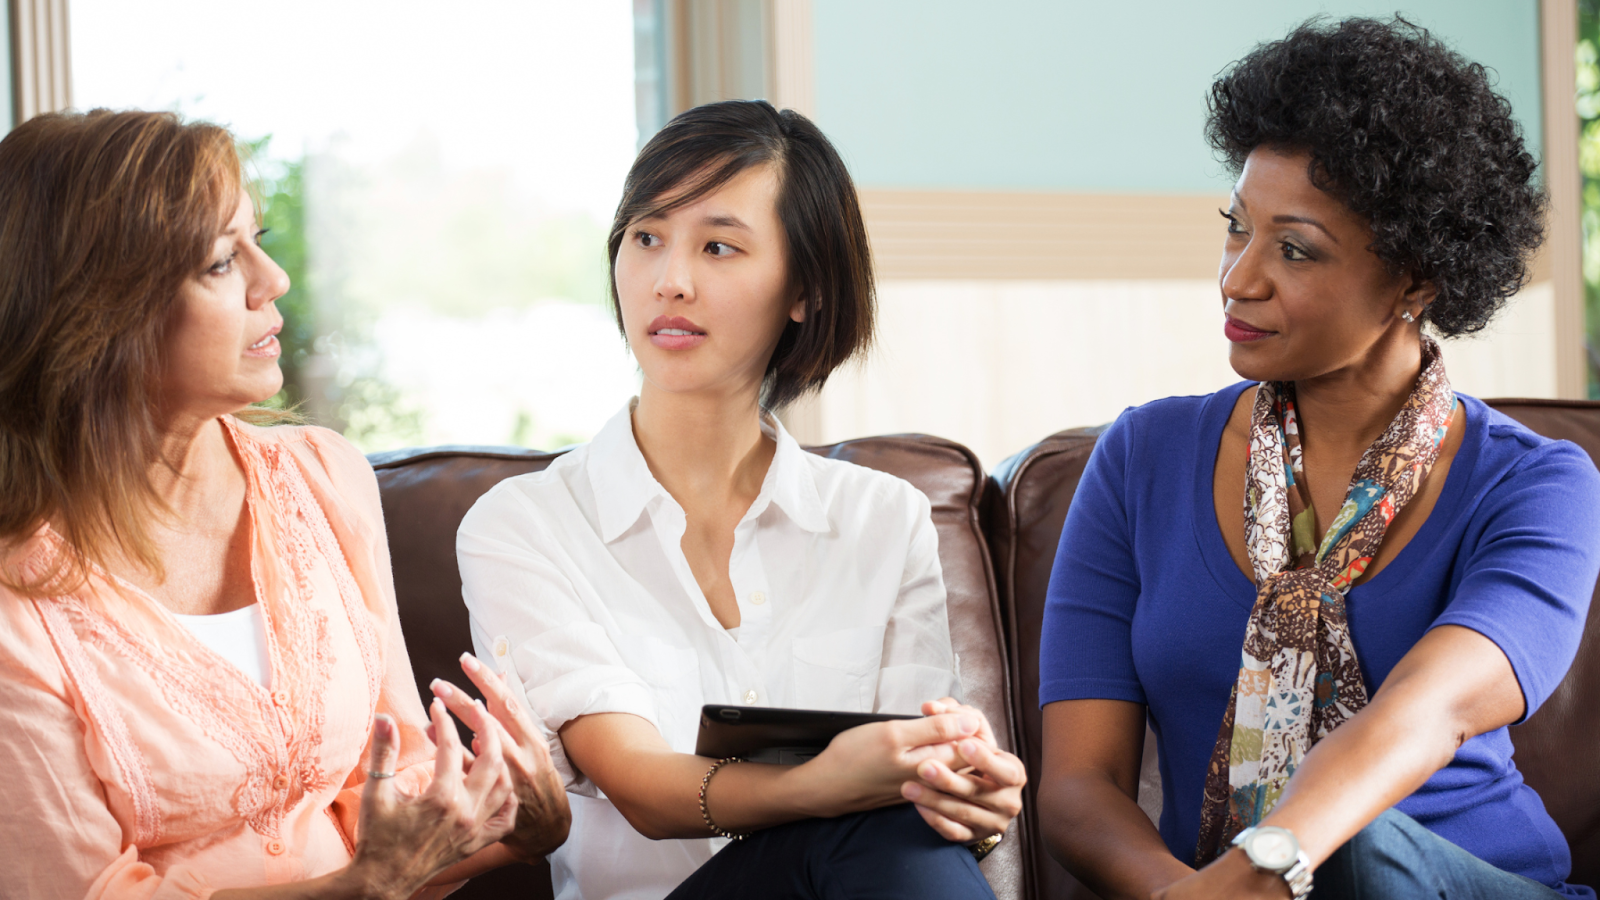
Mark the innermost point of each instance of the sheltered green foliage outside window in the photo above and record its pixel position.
(315, 384)
(1588, 59)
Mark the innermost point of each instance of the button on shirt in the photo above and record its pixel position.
(580, 570)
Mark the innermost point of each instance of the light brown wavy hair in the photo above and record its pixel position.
(103, 215)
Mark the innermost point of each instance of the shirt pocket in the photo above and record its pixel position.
(673, 676)
(838, 670)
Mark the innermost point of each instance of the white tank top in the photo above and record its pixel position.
(240, 637)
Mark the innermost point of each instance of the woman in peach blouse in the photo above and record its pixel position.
(205, 686)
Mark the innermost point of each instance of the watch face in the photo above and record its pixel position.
(1273, 848)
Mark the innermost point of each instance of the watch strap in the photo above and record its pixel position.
(985, 847)
(1298, 876)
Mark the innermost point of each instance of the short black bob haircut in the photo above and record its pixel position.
(701, 150)
(1409, 135)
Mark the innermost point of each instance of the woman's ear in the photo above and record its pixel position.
(797, 309)
(1418, 296)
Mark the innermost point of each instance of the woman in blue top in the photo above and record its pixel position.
(1330, 588)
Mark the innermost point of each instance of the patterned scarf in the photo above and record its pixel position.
(1298, 676)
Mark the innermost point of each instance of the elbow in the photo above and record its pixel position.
(1061, 801)
(642, 821)
(1454, 727)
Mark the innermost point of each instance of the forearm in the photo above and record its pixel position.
(1100, 834)
(659, 794)
(657, 790)
(488, 859)
(344, 884)
(1368, 764)
(1088, 811)
(1453, 685)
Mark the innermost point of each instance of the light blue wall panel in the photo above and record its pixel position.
(1097, 96)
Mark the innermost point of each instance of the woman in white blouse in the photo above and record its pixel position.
(692, 553)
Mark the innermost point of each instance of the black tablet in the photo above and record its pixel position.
(771, 735)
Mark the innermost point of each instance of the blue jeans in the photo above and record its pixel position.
(1394, 858)
(878, 855)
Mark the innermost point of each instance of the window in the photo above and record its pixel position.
(439, 180)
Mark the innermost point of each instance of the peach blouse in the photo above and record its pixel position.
(137, 763)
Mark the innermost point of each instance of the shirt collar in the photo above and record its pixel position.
(624, 488)
(790, 482)
(622, 483)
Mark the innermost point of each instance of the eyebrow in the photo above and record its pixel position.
(1238, 201)
(718, 221)
(1302, 220)
(725, 221)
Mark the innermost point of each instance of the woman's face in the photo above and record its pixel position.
(221, 351)
(705, 289)
(1303, 294)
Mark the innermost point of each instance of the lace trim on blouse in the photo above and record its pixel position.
(286, 518)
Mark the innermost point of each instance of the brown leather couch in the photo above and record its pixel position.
(427, 492)
(1558, 749)
(997, 538)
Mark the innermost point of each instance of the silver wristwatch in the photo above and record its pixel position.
(1276, 850)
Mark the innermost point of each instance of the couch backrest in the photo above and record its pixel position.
(426, 493)
(1556, 748)
(1023, 516)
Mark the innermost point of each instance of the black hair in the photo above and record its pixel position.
(702, 149)
(1408, 134)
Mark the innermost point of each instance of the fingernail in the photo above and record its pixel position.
(383, 727)
(469, 662)
(911, 790)
(969, 725)
(929, 771)
(968, 749)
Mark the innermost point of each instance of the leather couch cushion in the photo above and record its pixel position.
(1023, 518)
(1558, 747)
(426, 493)
(1555, 749)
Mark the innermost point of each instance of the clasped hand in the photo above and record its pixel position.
(947, 763)
(1230, 877)
(975, 795)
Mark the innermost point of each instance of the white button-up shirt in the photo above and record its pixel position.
(576, 581)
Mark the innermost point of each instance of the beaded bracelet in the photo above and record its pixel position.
(706, 814)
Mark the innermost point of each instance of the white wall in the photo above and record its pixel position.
(997, 365)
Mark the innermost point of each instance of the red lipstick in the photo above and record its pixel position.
(1241, 333)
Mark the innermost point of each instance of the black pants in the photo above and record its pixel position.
(878, 855)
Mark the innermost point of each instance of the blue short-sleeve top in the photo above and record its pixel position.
(1145, 604)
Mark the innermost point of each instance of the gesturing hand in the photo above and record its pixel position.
(543, 816)
(403, 840)
(980, 795)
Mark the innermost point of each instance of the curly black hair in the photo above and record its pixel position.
(1409, 135)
